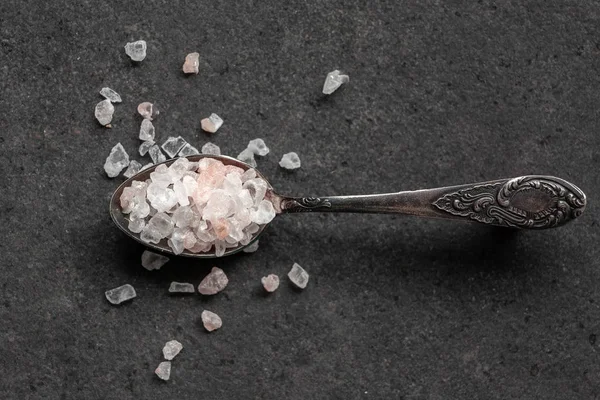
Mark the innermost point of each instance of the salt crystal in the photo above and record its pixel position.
(248, 174)
(152, 261)
(146, 166)
(188, 150)
(181, 193)
(150, 234)
(110, 94)
(257, 188)
(145, 146)
(162, 223)
(190, 66)
(176, 241)
(212, 123)
(247, 156)
(136, 50)
(136, 225)
(147, 131)
(173, 144)
(270, 282)
(258, 147)
(290, 161)
(147, 110)
(116, 161)
(163, 371)
(251, 248)
(104, 112)
(134, 168)
(214, 282)
(211, 321)
(180, 287)
(120, 294)
(171, 349)
(212, 149)
(333, 81)
(264, 213)
(156, 155)
(298, 276)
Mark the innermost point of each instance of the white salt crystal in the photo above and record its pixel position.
(181, 193)
(248, 174)
(136, 50)
(257, 188)
(298, 276)
(181, 287)
(152, 261)
(173, 144)
(120, 294)
(134, 168)
(212, 123)
(247, 156)
(163, 371)
(333, 81)
(145, 146)
(251, 248)
(147, 110)
(191, 64)
(211, 321)
(212, 149)
(136, 225)
(156, 155)
(270, 282)
(258, 147)
(176, 241)
(116, 161)
(290, 161)
(104, 112)
(110, 94)
(150, 234)
(146, 166)
(147, 131)
(264, 213)
(214, 282)
(171, 349)
(162, 223)
(188, 150)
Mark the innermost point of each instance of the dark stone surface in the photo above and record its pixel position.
(441, 93)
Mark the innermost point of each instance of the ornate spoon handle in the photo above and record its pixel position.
(528, 202)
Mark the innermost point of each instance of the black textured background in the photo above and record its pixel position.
(441, 93)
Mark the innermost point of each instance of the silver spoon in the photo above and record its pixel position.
(526, 202)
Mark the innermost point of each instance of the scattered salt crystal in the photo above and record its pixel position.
(214, 282)
(145, 146)
(180, 287)
(156, 155)
(290, 161)
(251, 248)
(190, 66)
(136, 50)
(134, 168)
(211, 321)
(188, 150)
(333, 81)
(172, 145)
(147, 110)
(270, 282)
(258, 147)
(163, 371)
(116, 161)
(110, 94)
(298, 276)
(104, 112)
(171, 349)
(152, 261)
(146, 166)
(211, 148)
(212, 123)
(147, 131)
(120, 294)
(247, 156)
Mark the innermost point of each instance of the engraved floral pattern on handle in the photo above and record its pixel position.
(305, 204)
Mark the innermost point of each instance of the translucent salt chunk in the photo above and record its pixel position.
(146, 166)
(163, 371)
(212, 123)
(134, 168)
(264, 213)
(333, 81)
(212, 149)
(120, 294)
(181, 287)
(191, 64)
(258, 147)
(257, 188)
(162, 223)
(136, 50)
(147, 110)
(150, 234)
(298, 276)
(163, 199)
(214, 282)
(152, 261)
(104, 112)
(180, 193)
(188, 150)
(173, 144)
(270, 282)
(248, 174)
(220, 247)
(290, 161)
(145, 146)
(136, 225)
(110, 94)
(176, 240)
(116, 161)
(247, 156)
(171, 349)
(156, 155)
(147, 131)
(211, 321)
(190, 185)
(251, 248)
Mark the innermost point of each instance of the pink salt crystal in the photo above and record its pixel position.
(200, 247)
(190, 66)
(211, 321)
(214, 282)
(147, 110)
(205, 162)
(221, 227)
(270, 282)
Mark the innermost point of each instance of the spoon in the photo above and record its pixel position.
(525, 202)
